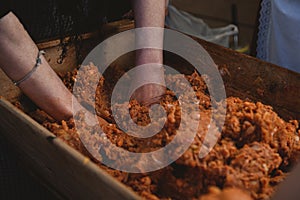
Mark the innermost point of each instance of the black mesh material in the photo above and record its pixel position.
(46, 19)
(57, 18)
(4, 8)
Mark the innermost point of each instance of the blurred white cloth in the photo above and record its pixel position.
(189, 24)
(279, 33)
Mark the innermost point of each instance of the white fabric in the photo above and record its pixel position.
(279, 33)
(187, 23)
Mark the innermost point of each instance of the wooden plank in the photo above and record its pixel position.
(247, 77)
(55, 42)
(250, 78)
(53, 51)
(117, 27)
(65, 170)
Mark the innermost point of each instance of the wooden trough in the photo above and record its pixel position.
(71, 175)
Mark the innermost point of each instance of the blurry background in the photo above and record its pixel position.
(218, 13)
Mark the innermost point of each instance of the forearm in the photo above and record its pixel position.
(18, 52)
(150, 13)
(18, 55)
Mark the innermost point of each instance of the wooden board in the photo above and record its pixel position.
(63, 169)
(71, 175)
(250, 78)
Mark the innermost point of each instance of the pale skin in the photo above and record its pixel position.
(18, 55)
(150, 14)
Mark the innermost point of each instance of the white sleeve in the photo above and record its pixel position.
(279, 33)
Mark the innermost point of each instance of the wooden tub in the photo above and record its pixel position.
(71, 175)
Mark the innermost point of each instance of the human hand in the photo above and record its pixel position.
(149, 94)
(148, 83)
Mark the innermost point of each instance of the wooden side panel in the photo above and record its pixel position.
(247, 77)
(62, 168)
(53, 51)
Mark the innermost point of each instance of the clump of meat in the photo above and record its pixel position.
(254, 151)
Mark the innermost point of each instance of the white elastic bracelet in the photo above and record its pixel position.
(37, 63)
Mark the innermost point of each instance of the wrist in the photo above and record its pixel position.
(146, 56)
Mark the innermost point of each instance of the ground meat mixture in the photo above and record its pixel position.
(226, 194)
(254, 152)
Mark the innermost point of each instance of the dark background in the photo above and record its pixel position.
(45, 19)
